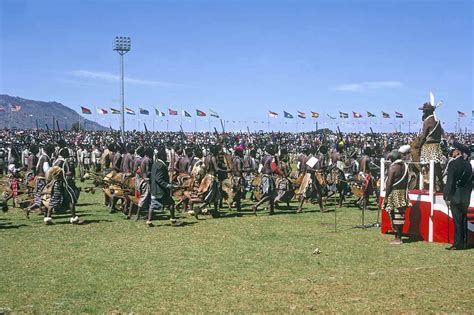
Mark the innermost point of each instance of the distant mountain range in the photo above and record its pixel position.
(28, 114)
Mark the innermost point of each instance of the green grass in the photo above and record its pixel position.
(233, 264)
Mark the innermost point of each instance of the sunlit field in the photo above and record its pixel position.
(237, 263)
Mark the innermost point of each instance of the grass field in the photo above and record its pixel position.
(238, 263)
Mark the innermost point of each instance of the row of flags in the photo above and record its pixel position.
(200, 113)
(290, 116)
(345, 115)
(143, 111)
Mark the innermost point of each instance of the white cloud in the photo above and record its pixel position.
(366, 86)
(109, 77)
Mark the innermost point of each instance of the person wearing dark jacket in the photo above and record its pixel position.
(160, 187)
(457, 193)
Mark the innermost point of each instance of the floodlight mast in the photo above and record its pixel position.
(122, 45)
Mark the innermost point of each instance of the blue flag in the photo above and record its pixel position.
(287, 115)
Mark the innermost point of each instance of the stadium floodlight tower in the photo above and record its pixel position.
(122, 45)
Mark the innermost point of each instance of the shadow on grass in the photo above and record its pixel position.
(179, 224)
(11, 226)
(86, 222)
(86, 204)
(409, 238)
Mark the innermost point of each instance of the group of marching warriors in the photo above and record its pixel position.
(148, 173)
(46, 176)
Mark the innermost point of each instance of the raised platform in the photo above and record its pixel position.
(429, 218)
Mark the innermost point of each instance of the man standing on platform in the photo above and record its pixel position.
(430, 137)
(457, 193)
(396, 194)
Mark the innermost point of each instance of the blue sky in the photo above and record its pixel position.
(243, 58)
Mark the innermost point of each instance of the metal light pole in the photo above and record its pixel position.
(122, 45)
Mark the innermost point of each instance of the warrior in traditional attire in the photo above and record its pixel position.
(181, 166)
(238, 181)
(366, 179)
(283, 185)
(313, 177)
(143, 183)
(267, 167)
(430, 140)
(160, 187)
(42, 167)
(62, 188)
(250, 168)
(127, 161)
(396, 194)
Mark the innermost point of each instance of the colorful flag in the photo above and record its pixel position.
(114, 111)
(370, 115)
(385, 115)
(101, 111)
(2, 109)
(85, 110)
(398, 115)
(172, 112)
(214, 114)
(144, 111)
(343, 115)
(186, 114)
(200, 113)
(15, 108)
(287, 115)
(301, 115)
(356, 115)
(315, 114)
(129, 111)
(272, 114)
(461, 114)
(331, 116)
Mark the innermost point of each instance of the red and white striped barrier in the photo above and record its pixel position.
(429, 217)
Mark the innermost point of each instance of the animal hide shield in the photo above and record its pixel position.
(306, 181)
(257, 187)
(285, 190)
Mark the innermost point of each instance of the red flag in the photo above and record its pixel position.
(85, 110)
(102, 111)
(272, 114)
(356, 115)
(200, 113)
(398, 115)
(314, 114)
(172, 112)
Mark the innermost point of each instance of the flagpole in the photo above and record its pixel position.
(9, 109)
